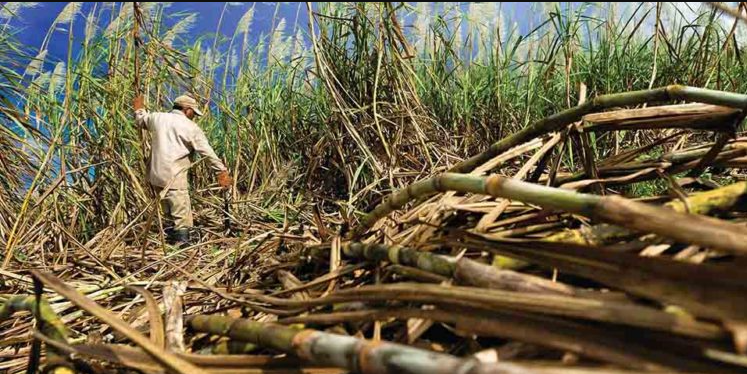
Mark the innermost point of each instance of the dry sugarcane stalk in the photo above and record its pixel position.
(609, 311)
(174, 318)
(568, 116)
(341, 351)
(689, 155)
(480, 275)
(692, 116)
(135, 358)
(673, 163)
(705, 290)
(686, 228)
(164, 357)
(154, 314)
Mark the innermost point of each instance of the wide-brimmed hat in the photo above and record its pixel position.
(186, 101)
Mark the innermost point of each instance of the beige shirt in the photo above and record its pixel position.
(174, 138)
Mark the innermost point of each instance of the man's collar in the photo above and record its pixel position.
(177, 111)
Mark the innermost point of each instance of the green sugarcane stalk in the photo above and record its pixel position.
(686, 228)
(226, 347)
(53, 327)
(357, 355)
(568, 116)
(601, 343)
(465, 271)
(414, 274)
(441, 265)
(702, 203)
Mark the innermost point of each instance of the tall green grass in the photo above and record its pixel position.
(369, 98)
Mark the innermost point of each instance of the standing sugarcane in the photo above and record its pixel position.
(226, 211)
(136, 42)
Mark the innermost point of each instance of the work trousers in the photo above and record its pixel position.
(176, 208)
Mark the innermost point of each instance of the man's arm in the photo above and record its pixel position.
(141, 115)
(201, 145)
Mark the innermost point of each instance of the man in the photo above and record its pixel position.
(175, 137)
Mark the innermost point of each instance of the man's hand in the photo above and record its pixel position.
(139, 102)
(224, 180)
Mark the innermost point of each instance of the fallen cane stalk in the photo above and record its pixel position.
(53, 328)
(475, 298)
(702, 203)
(686, 228)
(706, 290)
(601, 343)
(672, 163)
(358, 355)
(568, 116)
(166, 358)
(466, 271)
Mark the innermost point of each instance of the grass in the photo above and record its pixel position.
(647, 188)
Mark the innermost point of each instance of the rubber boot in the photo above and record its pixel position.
(181, 237)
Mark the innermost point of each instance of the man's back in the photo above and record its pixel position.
(174, 137)
(171, 134)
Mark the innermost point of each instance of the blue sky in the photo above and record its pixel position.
(34, 23)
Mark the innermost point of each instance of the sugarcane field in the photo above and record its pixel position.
(373, 187)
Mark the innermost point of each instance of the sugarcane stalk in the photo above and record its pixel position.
(357, 355)
(690, 155)
(685, 228)
(473, 273)
(702, 203)
(590, 308)
(724, 158)
(568, 116)
(464, 270)
(602, 343)
(441, 265)
(609, 311)
(708, 158)
(718, 121)
(225, 347)
(673, 163)
(53, 327)
(136, 73)
(415, 274)
(706, 290)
